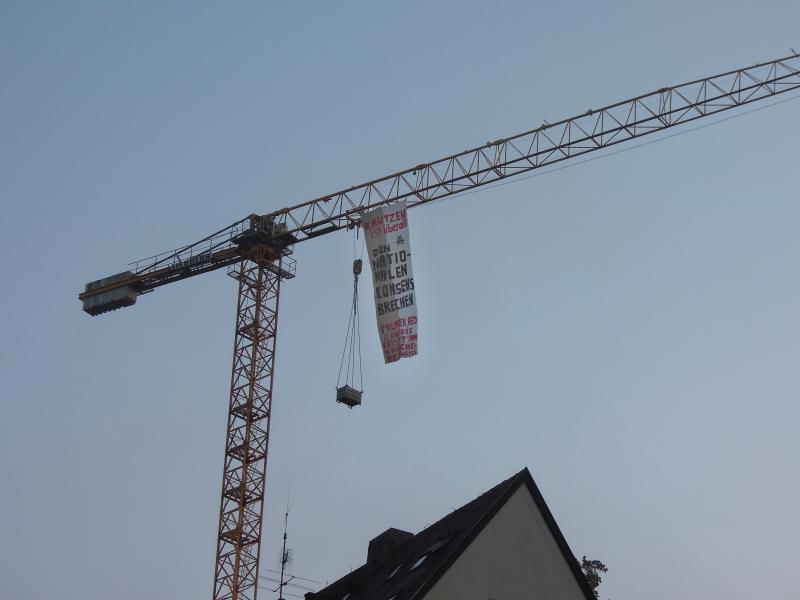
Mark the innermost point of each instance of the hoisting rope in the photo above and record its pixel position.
(352, 342)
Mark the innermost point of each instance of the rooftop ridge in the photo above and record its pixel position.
(403, 572)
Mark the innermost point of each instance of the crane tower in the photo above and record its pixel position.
(257, 253)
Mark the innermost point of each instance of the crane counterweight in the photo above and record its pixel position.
(110, 293)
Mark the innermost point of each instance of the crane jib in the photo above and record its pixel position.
(551, 143)
(548, 144)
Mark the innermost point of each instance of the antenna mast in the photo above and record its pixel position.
(285, 558)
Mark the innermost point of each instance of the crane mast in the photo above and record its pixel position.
(257, 253)
(247, 439)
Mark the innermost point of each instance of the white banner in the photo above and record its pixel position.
(386, 232)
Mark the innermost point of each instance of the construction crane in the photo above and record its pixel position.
(257, 253)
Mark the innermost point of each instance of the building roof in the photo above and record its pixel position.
(414, 563)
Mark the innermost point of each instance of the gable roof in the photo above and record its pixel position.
(402, 577)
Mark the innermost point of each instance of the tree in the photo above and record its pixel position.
(592, 569)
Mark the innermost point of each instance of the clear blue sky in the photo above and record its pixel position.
(628, 328)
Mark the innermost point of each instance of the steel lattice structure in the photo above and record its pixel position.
(257, 250)
(247, 438)
(546, 145)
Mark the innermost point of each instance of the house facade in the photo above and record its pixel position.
(504, 545)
